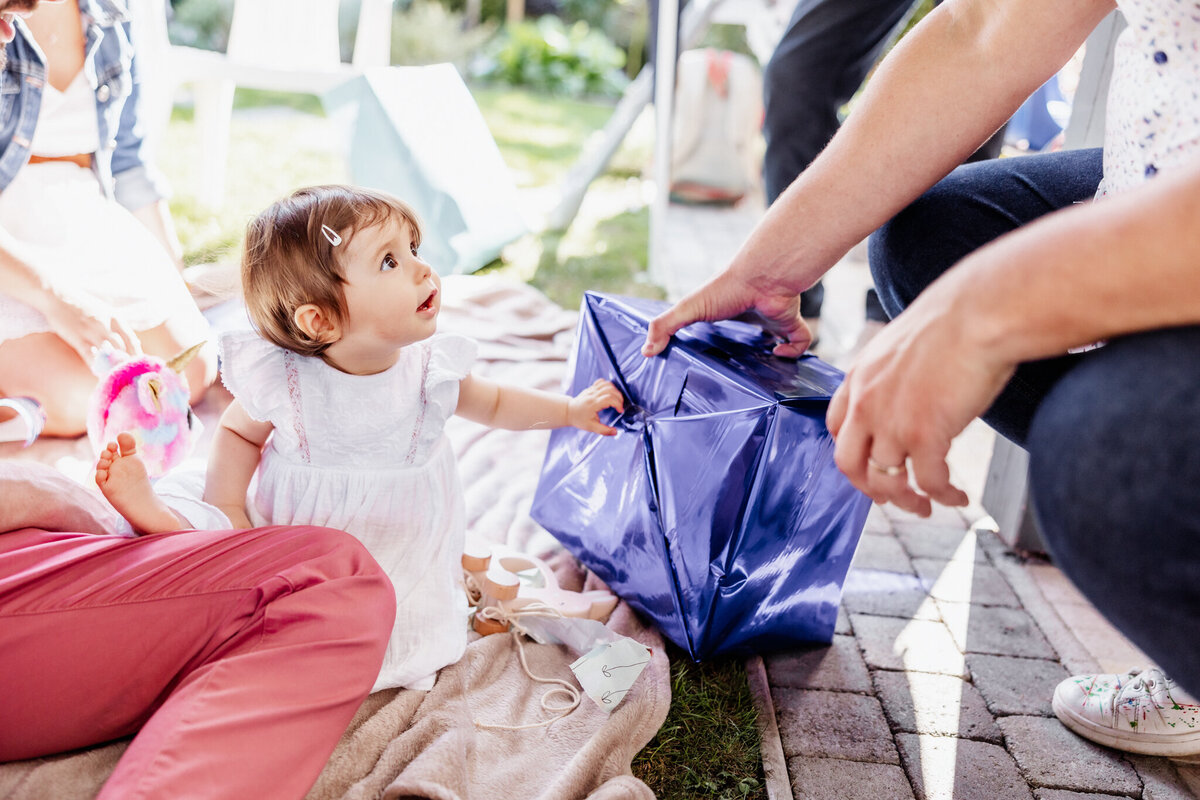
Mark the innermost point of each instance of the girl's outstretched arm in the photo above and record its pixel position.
(235, 453)
(517, 409)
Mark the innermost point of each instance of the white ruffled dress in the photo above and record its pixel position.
(367, 454)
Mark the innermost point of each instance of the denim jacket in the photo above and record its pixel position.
(111, 71)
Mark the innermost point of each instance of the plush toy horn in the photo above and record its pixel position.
(180, 361)
(149, 392)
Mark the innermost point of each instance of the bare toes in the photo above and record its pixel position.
(127, 443)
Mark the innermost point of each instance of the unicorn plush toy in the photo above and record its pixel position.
(147, 397)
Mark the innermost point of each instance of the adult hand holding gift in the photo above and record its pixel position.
(772, 299)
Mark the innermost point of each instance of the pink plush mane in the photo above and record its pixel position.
(147, 397)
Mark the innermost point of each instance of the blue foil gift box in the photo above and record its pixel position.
(717, 510)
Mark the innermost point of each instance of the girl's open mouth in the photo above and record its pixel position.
(428, 304)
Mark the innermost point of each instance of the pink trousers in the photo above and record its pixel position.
(237, 657)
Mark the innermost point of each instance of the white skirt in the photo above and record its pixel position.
(88, 244)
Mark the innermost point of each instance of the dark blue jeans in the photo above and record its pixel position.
(1113, 434)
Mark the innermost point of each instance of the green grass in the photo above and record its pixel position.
(605, 247)
(708, 747)
(539, 138)
(612, 261)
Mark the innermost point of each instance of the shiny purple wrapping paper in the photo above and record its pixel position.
(717, 510)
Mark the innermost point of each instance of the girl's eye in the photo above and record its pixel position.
(389, 263)
(413, 248)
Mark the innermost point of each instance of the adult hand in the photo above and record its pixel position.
(910, 391)
(728, 295)
(85, 326)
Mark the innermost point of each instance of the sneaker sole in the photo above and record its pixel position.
(1179, 746)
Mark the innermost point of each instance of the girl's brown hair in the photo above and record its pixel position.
(289, 260)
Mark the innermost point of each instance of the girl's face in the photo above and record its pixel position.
(392, 296)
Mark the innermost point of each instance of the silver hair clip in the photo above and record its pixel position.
(331, 235)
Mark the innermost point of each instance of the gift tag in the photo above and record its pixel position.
(608, 670)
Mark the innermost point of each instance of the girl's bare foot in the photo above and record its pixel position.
(123, 480)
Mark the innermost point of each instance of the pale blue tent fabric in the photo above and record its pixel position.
(420, 136)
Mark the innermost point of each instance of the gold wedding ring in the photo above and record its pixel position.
(891, 471)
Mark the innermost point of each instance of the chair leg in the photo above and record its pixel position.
(214, 110)
(373, 40)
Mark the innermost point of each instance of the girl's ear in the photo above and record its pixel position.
(316, 324)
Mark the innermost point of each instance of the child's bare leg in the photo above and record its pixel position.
(123, 479)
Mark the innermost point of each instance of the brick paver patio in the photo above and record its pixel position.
(943, 693)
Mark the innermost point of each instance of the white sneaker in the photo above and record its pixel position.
(1135, 712)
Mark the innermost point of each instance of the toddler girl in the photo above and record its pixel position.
(340, 400)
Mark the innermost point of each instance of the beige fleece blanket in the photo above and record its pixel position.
(409, 744)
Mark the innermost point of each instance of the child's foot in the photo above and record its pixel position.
(123, 480)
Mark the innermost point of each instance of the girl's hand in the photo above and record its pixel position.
(85, 326)
(583, 410)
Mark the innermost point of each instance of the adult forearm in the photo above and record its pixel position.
(1124, 264)
(944, 89)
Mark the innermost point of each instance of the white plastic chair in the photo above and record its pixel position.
(279, 45)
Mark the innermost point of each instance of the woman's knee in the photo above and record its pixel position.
(43, 367)
(973, 205)
(334, 557)
(66, 409)
(899, 251)
(368, 587)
